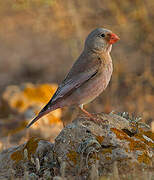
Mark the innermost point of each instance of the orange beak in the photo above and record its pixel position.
(113, 38)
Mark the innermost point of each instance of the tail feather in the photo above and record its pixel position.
(48, 108)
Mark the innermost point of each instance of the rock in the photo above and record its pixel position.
(83, 143)
(26, 160)
(85, 150)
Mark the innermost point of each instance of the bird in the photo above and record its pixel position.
(88, 77)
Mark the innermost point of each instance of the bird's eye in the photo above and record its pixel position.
(102, 35)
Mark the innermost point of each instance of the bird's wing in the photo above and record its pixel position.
(81, 72)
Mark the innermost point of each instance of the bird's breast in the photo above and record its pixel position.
(93, 87)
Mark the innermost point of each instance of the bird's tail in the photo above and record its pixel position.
(48, 108)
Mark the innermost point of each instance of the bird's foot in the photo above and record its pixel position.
(92, 117)
(96, 120)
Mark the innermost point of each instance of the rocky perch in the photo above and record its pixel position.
(116, 147)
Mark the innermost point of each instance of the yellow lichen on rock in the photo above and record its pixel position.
(1, 145)
(145, 139)
(144, 158)
(73, 156)
(100, 139)
(139, 142)
(40, 93)
(29, 99)
(30, 146)
(146, 136)
(120, 134)
(136, 145)
(21, 98)
(107, 150)
(13, 96)
(17, 156)
(133, 144)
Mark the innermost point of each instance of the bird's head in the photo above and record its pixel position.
(101, 40)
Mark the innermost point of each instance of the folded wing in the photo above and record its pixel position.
(76, 78)
(80, 73)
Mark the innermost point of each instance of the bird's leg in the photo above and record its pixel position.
(89, 115)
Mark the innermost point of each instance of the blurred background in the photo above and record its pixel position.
(40, 40)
